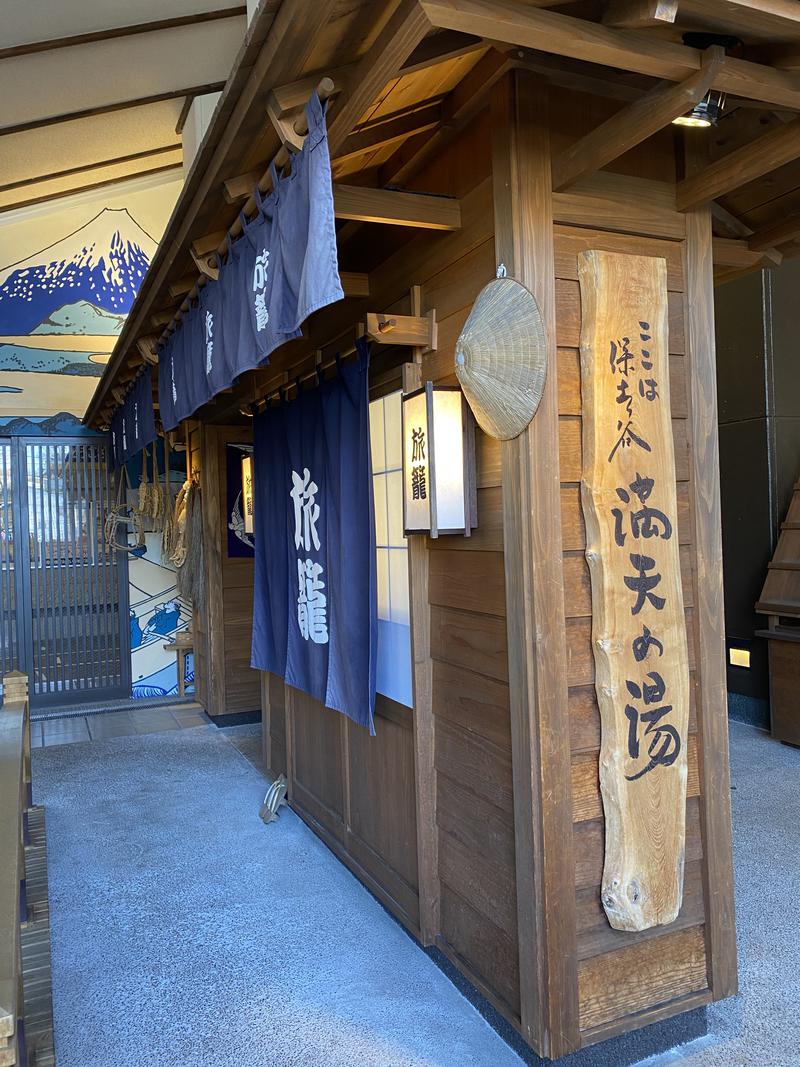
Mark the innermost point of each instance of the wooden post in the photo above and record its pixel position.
(709, 614)
(211, 490)
(15, 687)
(424, 737)
(535, 593)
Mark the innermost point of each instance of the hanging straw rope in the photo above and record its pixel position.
(188, 554)
(122, 516)
(168, 529)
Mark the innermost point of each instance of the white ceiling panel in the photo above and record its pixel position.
(52, 188)
(30, 21)
(81, 142)
(79, 78)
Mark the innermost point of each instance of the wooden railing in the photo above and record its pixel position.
(15, 801)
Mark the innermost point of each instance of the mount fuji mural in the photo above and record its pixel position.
(61, 311)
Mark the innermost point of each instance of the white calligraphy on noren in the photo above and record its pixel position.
(312, 604)
(260, 274)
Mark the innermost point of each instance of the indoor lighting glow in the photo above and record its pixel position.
(739, 657)
(439, 495)
(705, 113)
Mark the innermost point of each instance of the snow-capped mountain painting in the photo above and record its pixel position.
(61, 311)
(102, 263)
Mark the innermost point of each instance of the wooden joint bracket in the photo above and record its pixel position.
(417, 331)
(147, 348)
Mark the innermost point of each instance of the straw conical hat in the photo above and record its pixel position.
(501, 358)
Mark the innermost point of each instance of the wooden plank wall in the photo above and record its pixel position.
(466, 595)
(347, 786)
(226, 683)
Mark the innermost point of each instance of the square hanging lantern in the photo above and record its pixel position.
(439, 494)
(247, 492)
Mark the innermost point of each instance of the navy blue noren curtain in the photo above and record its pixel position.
(133, 426)
(315, 605)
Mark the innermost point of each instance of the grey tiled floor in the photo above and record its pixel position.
(115, 724)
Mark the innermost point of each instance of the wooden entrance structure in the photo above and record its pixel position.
(465, 134)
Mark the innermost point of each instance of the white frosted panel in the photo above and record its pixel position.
(384, 595)
(398, 581)
(376, 436)
(394, 431)
(449, 459)
(394, 493)
(381, 522)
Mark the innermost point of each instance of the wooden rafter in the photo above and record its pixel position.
(772, 150)
(778, 233)
(550, 31)
(635, 14)
(635, 123)
(458, 108)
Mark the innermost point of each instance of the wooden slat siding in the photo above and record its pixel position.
(536, 639)
(574, 530)
(584, 717)
(568, 304)
(468, 936)
(596, 937)
(472, 833)
(590, 847)
(645, 974)
(586, 801)
(580, 661)
(464, 639)
(709, 615)
(600, 942)
(569, 384)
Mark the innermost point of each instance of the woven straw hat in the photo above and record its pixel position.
(501, 358)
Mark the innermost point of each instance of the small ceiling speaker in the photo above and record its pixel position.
(501, 358)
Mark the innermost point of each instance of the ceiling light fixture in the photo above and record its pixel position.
(707, 112)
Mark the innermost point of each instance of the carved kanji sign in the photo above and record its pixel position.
(638, 622)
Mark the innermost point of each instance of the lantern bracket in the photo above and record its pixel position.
(417, 331)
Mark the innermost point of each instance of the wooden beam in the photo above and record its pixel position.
(709, 615)
(550, 31)
(182, 286)
(636, 14)
(766, 153)
(635, 123)
(458, 109)
(403, 32)
(355, 285)
(535, 618)
(204, 246)
(785, 229)
(397, 208)
(389, 130)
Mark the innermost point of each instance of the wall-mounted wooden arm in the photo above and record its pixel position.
(147, 348)
(414, 330)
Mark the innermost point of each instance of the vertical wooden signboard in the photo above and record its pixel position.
(638, 623)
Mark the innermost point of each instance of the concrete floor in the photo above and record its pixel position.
(187, 932)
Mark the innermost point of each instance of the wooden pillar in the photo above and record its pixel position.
(214, 607)
(424, 736)
(535, 593)
(712, 702)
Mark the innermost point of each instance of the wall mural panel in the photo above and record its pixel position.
(69, 273)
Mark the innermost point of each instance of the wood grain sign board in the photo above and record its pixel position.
(638, 623)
